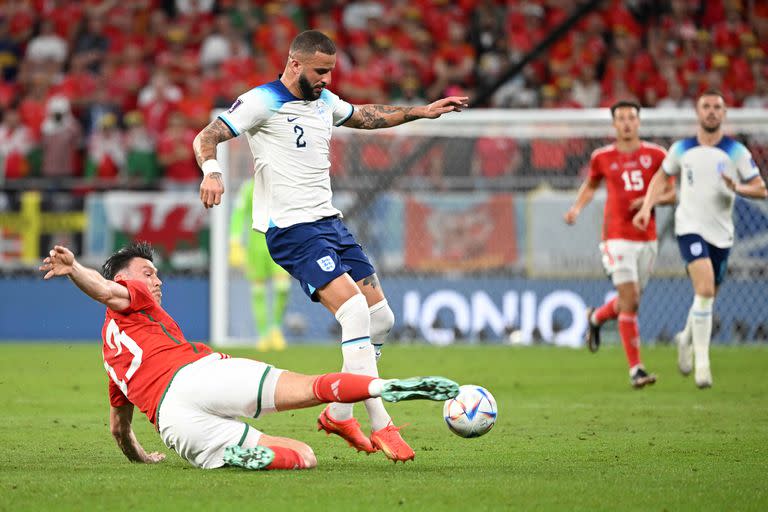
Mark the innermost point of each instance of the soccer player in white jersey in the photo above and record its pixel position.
(714, 168)
(288, 124)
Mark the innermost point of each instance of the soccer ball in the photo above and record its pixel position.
(471, 413)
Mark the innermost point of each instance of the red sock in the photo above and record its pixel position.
(342, 387)
(607, 311)
(630, 337)
(285, 458)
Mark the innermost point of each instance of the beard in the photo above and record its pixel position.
(710, 128)
(307, 91)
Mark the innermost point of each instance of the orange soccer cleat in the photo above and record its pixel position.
(389, 441)
(349, 430)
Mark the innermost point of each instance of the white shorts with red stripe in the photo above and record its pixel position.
(199, 414)
(628, 261)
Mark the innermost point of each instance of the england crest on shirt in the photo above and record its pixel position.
(327, 264)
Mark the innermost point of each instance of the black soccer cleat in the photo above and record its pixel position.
(592, 334)
(640, 378)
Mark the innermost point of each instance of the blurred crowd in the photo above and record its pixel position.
(104, 90)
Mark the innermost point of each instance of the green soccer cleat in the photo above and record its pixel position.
(419, 388)
(258, 457)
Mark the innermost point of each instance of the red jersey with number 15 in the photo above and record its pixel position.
(626, 176)
(143, 348)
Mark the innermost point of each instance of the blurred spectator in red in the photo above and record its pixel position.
(79, 83)
(16, 141)
(61, 140)
(240, 62)
(22, 17)
(454, 62)
(141, 159)
(106, 156)
(195, 105)
(180, 58)
(496, 157)
(196, 16)
(156, 101)
(130, 76)
(363, 83)
(32, 106)
(10, 53)
(275, 33)
(47, 45)
(178, 162)
(618, 91)
(91, 43)
(525, 26)
(727, 33)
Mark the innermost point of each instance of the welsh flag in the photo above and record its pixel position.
(175, 223)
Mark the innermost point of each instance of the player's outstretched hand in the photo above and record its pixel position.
(154, 458)
(58, 263)
(641, 219)
(211, 189)
(570, 216)
(445, 105)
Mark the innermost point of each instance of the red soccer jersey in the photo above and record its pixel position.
(626, 178)
(143, 348)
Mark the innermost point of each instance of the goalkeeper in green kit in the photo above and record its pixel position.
(253, 257)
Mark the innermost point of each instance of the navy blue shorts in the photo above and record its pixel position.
(316, 253)
(693, 247)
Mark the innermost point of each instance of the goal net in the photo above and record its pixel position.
(463, 220)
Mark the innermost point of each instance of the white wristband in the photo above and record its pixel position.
(210, 166)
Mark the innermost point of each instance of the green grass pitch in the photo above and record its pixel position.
(571, 435)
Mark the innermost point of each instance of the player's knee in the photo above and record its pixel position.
(354, 317)
(630, 303)
(382, 320)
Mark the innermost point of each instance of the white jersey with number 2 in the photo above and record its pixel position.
(706, 203)
(290, 140)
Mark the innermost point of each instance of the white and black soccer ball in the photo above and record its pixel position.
(472, 412)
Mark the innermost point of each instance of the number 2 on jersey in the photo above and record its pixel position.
(633, 180)
(299, 131)
(116, 340)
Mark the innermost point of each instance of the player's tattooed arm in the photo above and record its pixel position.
(206, 141)
(371, 117)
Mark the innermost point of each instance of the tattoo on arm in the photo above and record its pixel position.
(371, 280)
(370, 117)
(206, 141)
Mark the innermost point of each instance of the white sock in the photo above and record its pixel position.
(701, 329)
(359, 358)
(686, 333)
(382, 321)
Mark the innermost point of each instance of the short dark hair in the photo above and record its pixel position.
(122, 258)
(711, 92)
(311, 41)
(624, 104)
